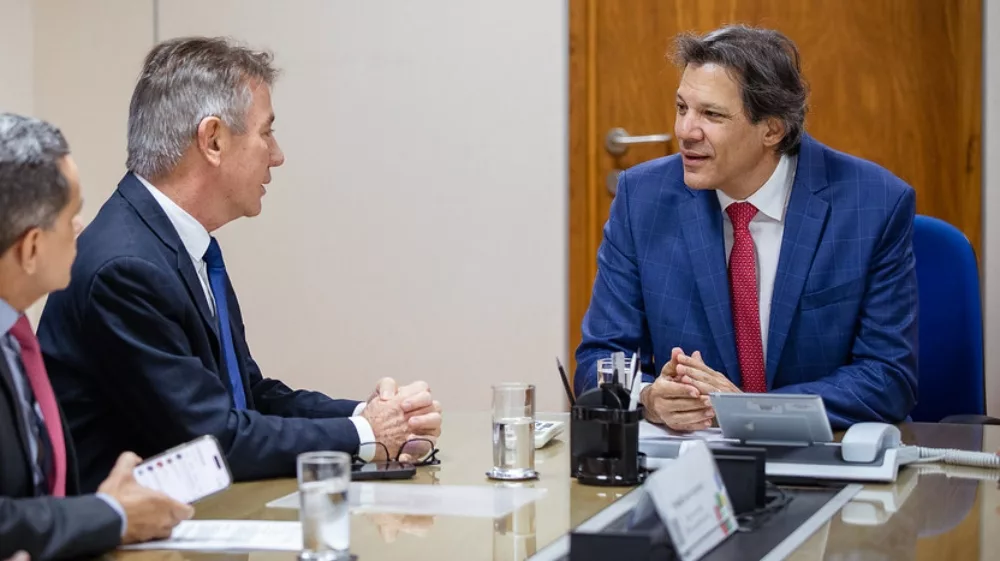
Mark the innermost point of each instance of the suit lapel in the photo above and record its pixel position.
(72, 467)
(7, 386)
(701, 222)
(805, 219)
(150, 212)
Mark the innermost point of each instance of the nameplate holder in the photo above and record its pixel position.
(691, 501)
(682, 512)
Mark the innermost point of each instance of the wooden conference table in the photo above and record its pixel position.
(953, 515)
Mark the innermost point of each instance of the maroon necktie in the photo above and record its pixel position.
(31, 357)
(743, 291)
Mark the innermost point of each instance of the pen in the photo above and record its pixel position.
(634, 370)
(565, 381)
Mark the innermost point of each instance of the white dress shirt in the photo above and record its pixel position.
(196, 238)
(766, 229)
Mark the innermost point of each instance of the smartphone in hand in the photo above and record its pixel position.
(189, 472)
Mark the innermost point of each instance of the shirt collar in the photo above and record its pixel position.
(193, 235)
(772, 197)
(8, 316)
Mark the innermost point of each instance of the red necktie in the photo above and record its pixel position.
(31, 357)
(743, 291)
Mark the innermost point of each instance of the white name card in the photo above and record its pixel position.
(692, 502)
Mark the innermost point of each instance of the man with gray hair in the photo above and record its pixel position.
(147, 347)
(756, 260)
(42, 515)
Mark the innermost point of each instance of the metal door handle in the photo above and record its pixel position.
(618, 140)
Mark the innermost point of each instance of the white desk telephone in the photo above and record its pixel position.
(863, 442)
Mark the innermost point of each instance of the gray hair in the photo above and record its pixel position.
(182, 82)
(33, 190)
(765, 64)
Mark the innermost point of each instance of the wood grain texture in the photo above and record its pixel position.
(893, 81)
(582, 156)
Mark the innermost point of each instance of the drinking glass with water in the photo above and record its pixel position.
(606, 371)
(513, 432)
(324, 479)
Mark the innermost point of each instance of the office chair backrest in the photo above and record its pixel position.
(950, 379)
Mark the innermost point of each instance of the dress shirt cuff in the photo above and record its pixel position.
(117, 507)
(365, 434)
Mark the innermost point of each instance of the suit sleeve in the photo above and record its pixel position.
(49, 528)
(880, 383)
(272, 397)
(134, 315)
(616, 318)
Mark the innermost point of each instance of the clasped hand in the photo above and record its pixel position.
(399, 414)
(679, 398)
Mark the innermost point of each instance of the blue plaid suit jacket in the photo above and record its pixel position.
(844, 312)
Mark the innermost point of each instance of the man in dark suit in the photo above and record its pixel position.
(147, 347)
(757, 259)
(41, 513)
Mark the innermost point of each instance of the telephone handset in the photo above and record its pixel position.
(864, 442)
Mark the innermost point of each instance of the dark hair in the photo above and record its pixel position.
(765, 64)
(183, 81)
(33, 190)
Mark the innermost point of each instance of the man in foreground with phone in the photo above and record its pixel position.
(42, 517)
(147, 347)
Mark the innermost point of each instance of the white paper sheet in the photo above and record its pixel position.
(485, 501)
(649, 430)
(230, 535)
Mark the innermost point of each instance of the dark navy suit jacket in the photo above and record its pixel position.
(133, 352)
(47, 528)
(844, 311)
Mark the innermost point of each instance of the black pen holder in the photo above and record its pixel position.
(604, 438)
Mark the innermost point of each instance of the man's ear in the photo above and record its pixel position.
(212, 139)
(26, 250)
(774, 131)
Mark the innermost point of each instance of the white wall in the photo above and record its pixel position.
(86, 63)
(418, 228)
(16, 73)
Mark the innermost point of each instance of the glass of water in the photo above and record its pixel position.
(513, 432)
(324, 478)
(606, 371)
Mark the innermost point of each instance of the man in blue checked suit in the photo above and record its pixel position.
(757, 259)
(147, 347)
